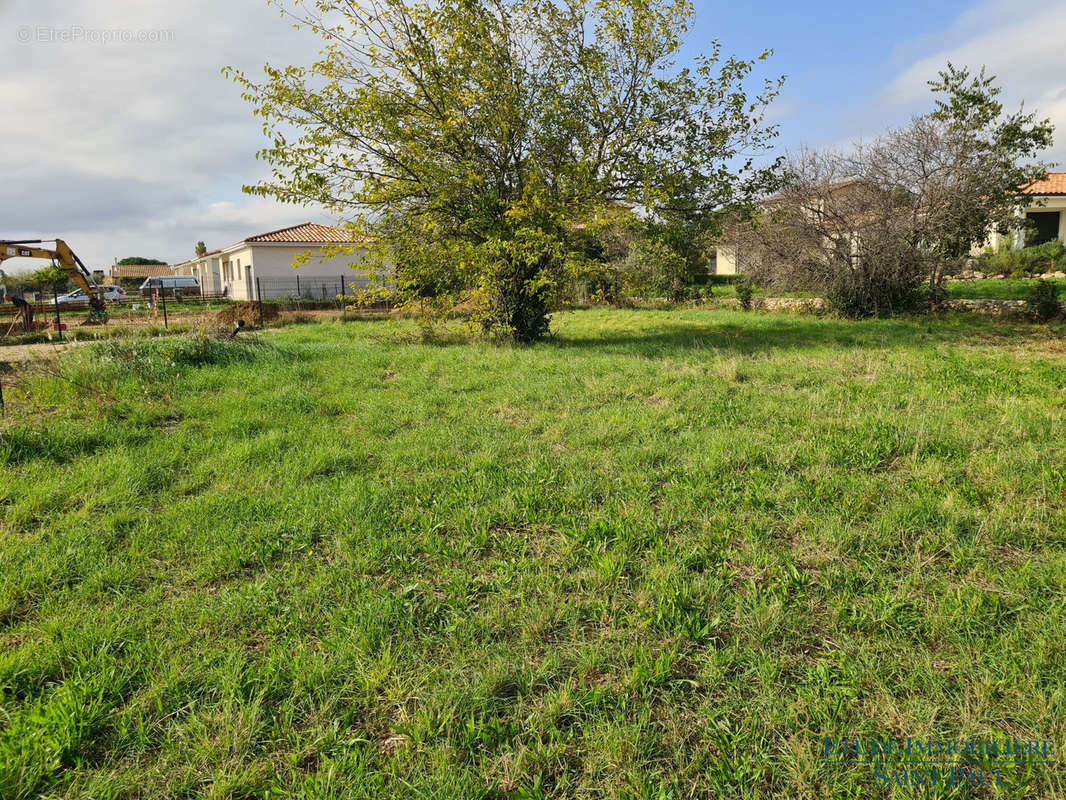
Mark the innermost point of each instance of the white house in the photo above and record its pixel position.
(1045, 213)
(264, 263)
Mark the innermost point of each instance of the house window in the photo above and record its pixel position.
(1043, 226)
(238, 269)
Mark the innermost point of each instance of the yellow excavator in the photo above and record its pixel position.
(64, 258)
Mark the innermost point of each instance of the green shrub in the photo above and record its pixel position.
(1044, 257)
(745, 292)
(157, 359)
(722, 280)
(1016, 263)
(652, 269)
(695, 292)
(857, 296)
(1043, 300)
(931, 297)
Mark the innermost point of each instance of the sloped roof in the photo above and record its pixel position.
(1054, 183)
(305, 233)
(194, 258)
(140, 270)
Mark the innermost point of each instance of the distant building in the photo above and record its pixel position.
(138, 271)
(838, 199)
(269, 257)
(1045, 216)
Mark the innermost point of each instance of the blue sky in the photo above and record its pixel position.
(140, 147)
(838, 56)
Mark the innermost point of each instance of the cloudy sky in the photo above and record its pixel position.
(140, 147)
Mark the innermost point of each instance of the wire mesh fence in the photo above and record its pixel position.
(44, 314)
(308, 287)
(62, 312)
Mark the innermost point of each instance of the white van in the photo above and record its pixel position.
(171, 285)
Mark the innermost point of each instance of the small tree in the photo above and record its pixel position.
(468, 139)
(201, 249)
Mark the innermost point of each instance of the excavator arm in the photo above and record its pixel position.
(67, 261)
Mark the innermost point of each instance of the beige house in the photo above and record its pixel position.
(841, 195)
(262, 265)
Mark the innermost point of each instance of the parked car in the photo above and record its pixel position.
(171, 286)
(78, 295)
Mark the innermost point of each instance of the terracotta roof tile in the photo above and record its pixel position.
(306, 233)
(1055, 183)
(140, 270)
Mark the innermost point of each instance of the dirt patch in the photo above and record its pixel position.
(249, 312)
(30, 352)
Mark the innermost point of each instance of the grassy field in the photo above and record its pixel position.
(959, 290)
(996, 289)
(345, 563)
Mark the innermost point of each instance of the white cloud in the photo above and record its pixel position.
(136, 148)
(1019, 41)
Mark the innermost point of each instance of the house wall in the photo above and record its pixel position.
(234, 272)
(272, 264)
(726, 260)
(207, 271)
(996, 240)
(237, 282)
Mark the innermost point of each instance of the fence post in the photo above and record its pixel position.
(59, 322)
(259, 298)
(298, 295)
(163, 300)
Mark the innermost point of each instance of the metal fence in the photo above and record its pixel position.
(58, 316)
(309, 287)
(160, 307)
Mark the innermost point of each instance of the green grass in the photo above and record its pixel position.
(961, 290)
(730, 291)
(1008, 289)
(344, 563)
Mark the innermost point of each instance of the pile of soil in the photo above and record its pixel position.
(249, 312)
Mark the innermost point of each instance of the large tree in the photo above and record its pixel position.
(468, 139)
